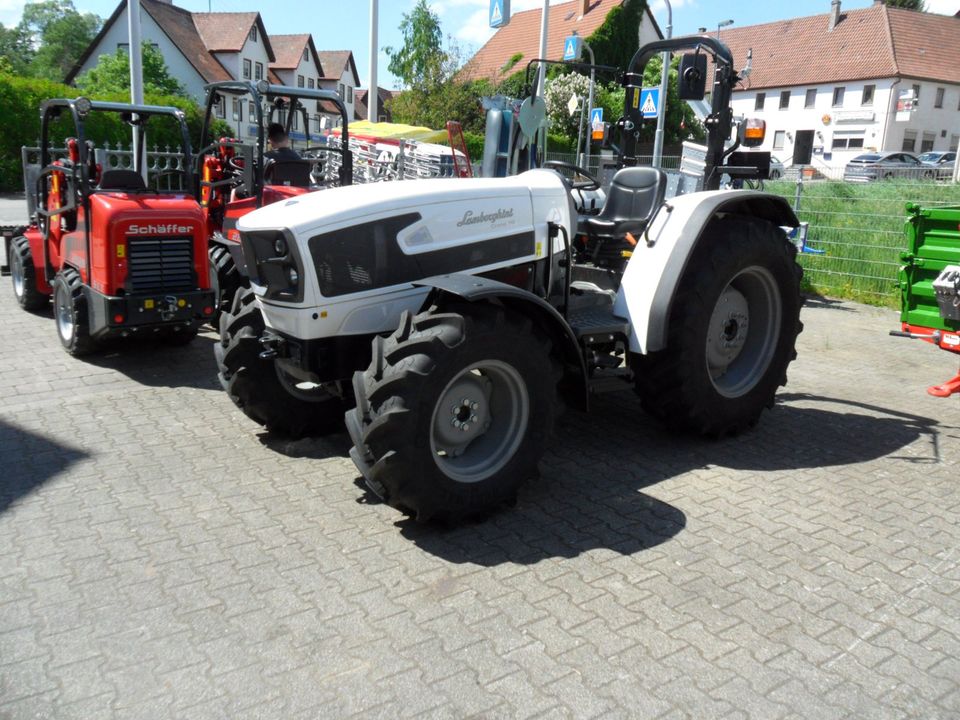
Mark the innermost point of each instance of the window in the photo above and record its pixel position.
(758, 103)
(252, 110)
(778, 138)
(954, 143)
(838, 93)
(253, 33)
(218, 109)
(811, 98)
(258, 71)
(237, 109)
(868, 91)
(349, 93)
(909, 140)
(916, 92)
(341, 91)
(785, 100)
(846, 141)
(246, 69)
(299, 80)
(938, 103)
(306, 53)
(310, 83)
(926, 144)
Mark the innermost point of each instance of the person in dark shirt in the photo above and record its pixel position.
(279, 144)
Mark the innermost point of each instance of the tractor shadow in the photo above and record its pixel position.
(29, 461)
(152, 362)
(590, 491)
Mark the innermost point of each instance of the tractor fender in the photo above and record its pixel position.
(663, 252)
(473, 288)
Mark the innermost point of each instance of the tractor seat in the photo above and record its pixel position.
(122, 180)
(634, 194)
(295, 173)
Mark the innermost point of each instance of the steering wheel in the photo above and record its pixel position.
(590, 183)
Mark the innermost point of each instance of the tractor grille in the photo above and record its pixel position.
(160, 264)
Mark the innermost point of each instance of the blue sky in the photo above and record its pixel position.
(338, 25)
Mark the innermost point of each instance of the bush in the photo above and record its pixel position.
(20, 100)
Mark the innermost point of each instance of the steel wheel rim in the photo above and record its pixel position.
(65, 321)
(16, 272)
(479, 421)
(743, 331)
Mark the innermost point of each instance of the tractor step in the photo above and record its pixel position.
(597, 324)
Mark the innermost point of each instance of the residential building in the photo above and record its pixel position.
(513, 46)
(383, 111)
(297, 64)
(828, 86)
(340, 75)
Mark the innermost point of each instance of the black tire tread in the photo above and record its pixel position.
(81, 343)
(32, 299)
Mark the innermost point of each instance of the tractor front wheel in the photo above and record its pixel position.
(23, 273)
(225, 279)
(455, 410)
(733, 327)
(70, 313)
(260, 388)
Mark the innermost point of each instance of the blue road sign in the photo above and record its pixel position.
(499, 13)
(596, 117)
(649, 102)
(572, 47)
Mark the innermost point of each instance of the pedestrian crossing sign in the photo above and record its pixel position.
(649, 101)
(499, 13)
(572, 47)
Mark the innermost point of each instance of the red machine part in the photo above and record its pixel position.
(945, 340)
(458, 144)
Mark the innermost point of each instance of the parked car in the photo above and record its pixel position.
(942, 163)
(883, 166)
(777, 168)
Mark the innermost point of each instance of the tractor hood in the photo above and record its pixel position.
(493, 202)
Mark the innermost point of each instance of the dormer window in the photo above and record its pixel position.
(253, 33)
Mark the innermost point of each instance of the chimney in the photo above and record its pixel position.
(834, 14)
(584, 7)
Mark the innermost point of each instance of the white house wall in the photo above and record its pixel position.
(150, 31)
(874, 122)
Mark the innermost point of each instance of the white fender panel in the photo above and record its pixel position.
(653, 271)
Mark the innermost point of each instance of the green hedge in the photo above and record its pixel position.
(20, 100)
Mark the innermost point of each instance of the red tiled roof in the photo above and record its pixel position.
(522, 36)
(288, 50)
(224, 32)
(873, 42)
(334, 62)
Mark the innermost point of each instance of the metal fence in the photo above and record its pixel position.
(383, 162)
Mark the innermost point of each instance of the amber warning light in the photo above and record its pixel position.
(754, 130)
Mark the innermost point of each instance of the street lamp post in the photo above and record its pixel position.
(662, 105)
(723, 24)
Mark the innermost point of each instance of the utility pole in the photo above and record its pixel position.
(372, 95)
(136, 79)
(662, 105)
(542, 70)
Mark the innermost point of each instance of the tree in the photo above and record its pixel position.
(421, 58)
(15, 49)
(112, 74)
(59, 33)
(919, 5)
(557, 95)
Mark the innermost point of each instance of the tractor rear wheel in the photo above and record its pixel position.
(70, 313)
(22, 270)
(260, 388)
(733, 329)
(455, 410)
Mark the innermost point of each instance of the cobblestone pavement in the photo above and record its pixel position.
(162, 557)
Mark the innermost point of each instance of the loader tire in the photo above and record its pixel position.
(23, 273)
(732, 334)
(257, 386)
(455, 410)
(70, 313)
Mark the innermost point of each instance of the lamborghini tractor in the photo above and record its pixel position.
(118, 258)
(448, 319)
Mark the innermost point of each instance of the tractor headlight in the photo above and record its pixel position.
(280, 246)
(273, 263)
(293, 276)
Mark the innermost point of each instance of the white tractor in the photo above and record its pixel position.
(448, 319)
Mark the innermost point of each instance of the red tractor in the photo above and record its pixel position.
(119, 258)
(236, 177)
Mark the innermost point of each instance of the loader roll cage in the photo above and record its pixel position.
(79, 176)
(283, 99)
